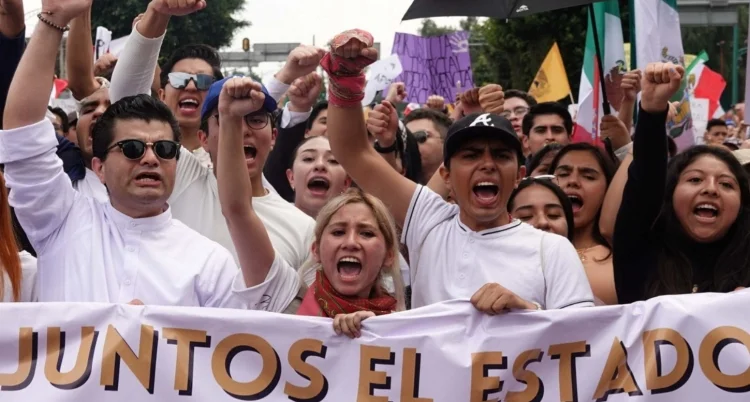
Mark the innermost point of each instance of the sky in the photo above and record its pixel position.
(299, 21)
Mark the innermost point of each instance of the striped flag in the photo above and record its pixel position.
(658, 39)
(590, 110)
(704, 83)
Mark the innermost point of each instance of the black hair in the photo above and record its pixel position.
(139, 107)
(547, 108)
(514, 93)
(64, 123)
(319, 107)
(294, 154)
(715, 123)
(441, 121)
(551, 186)
(202, 52)
(608, 169)
(675, 271)
(537, 158)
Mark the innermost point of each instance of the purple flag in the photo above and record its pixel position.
(434, 66)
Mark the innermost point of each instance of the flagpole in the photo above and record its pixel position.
(605, 102)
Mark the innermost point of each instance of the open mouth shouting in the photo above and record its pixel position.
(188, 106)
(349, 268)
(706, 212)
(250, 152)
(318, 186)
(576, 201)
(486, 192)
(148, 179)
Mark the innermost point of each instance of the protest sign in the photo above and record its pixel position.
(103, 40)
(380, 76)
(436, 65)
(699, 110)
(678, 348)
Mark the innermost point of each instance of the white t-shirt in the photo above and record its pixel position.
(195, 202)
(91, 186)
(28, 280)
(450, 261)
(90, 252)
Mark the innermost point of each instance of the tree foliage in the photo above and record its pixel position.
(214, 26)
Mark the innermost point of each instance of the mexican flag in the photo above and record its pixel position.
(658, 39)
(704, 83)
(590, 112)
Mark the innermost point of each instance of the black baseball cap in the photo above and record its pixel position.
(481, 125)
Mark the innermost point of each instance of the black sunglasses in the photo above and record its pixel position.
(420, 136)
(181, 80)
(135, 149)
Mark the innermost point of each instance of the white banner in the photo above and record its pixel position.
(380, 75)
(103, 39)
(682, 348)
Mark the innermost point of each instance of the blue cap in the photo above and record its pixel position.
(212, 98)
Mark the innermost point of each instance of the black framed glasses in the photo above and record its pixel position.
(181, 80)
(519, 111)
(256, 120)
(135, 149)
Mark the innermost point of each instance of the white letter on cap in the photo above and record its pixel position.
(484, 119)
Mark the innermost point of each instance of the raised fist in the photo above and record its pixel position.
(302, 61)
(304, 92)
(240, 96)
(61, 12)
(382, 123)
(435, 102)
(631, 85)
(105, 63)
(397, 93)
(177, 7)
(660, 82)
(492, 99)
(614, 129)
(470, 101)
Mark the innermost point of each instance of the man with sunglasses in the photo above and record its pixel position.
(128, 248)
(429, 128)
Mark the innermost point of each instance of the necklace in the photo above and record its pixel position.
(582, 252)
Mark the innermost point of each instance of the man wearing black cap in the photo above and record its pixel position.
(473, 249)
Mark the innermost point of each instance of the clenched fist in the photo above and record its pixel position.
(660, 82)
(470, 101)
(302, 61)
(240, 96)
(177, 7)
(614, 129)
(382, 123)
(492, 99)
(436, 102)
(631, 85)
(105, 63)
(397, 93)
(304, 92)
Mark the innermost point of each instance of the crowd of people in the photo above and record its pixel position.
(174, 185)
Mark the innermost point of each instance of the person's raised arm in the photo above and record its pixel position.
(643, 195)
(631, 85)
(350, 53)
(241, 96)
(79, 58)
(135, 70)
(382, 123)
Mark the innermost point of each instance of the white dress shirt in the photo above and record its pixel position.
(28, 281)
(91, 186)
(87, 251)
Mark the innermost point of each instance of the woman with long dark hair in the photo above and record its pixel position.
(682, 227)
(584, 172)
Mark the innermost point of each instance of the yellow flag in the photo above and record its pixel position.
(551, 82)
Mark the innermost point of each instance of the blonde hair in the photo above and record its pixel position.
(387, 227)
